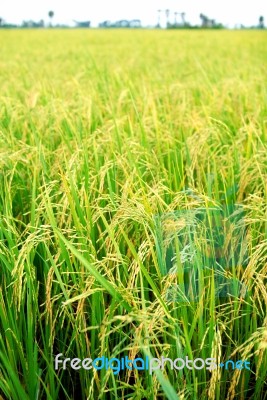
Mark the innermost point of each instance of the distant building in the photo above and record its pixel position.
(135, 23)
(83, 24)
(123, 23)
(105, 24)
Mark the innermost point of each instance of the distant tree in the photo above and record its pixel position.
(204, 20)
(51, 16)
(167, 13)
(183, 18)
(261, 22)
(182, 15)
(175, 18)
(1, 21)
(159, 18)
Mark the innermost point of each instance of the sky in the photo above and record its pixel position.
(229, 12)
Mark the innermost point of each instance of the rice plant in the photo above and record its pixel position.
(133, 219)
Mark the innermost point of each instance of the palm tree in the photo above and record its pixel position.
(167, 13)
(183, 18)
(261, 22)
(204, 20)
(51, 15)
(159, 18)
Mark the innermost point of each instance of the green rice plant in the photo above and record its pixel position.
(133, 212)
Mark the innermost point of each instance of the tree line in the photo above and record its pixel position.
(171, 20)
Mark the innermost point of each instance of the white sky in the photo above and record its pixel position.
(229, 12)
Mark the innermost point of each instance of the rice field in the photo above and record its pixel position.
(133, 217)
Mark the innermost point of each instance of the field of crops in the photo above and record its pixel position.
(133, 188)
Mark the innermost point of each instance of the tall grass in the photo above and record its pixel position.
(104, 135)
